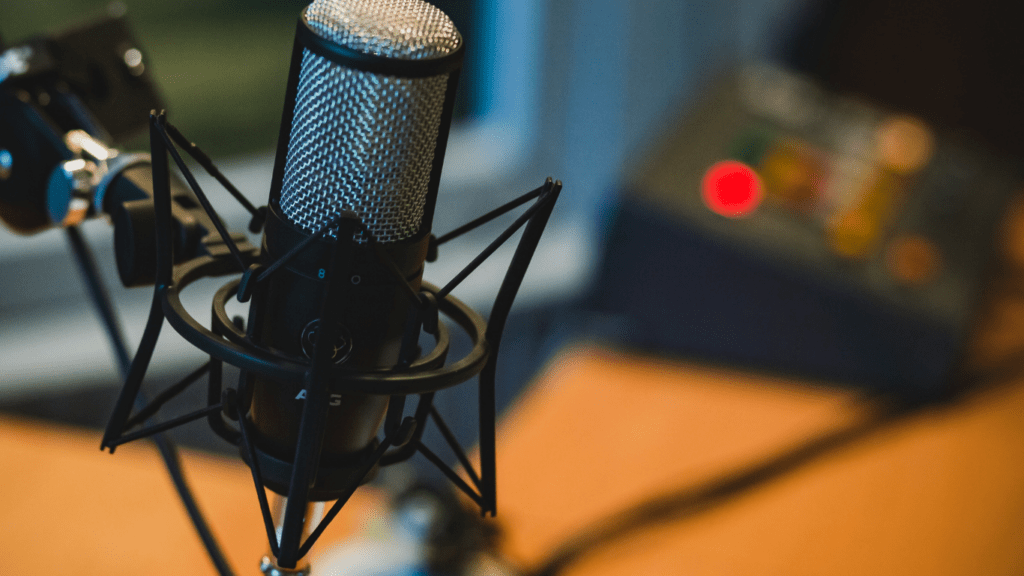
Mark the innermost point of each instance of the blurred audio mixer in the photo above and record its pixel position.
(806, 232)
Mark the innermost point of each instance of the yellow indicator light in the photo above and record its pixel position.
(913, 260)
(793, 173)
(854, 234)
(904, 144)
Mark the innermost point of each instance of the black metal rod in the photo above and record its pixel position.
(164, 276)
(455, 478)
(199, 156)
(392, 268)
(213, 395)
(491, 248)
(495, 327)
(405, 452)
(133, 380)
(217, 223)
(409, 349)
(164, 232)
(140, 363)
(307, 456)
(488, 449)
(154, 405)
(407, 353)
(296, 249)
(314, 413)
(164, 426)
(393, 418)
(385, 260)
(456, 447)
(173, 461)
(168, 452)
(382, 256)
(100, 298)
(257, 479)
(357, 481)
(489, 216)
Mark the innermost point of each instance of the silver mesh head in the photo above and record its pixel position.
(362, 141)
(402, 29)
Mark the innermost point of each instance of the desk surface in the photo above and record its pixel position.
(631, 465)
(69, 508)
(749, 475)
(752, 475)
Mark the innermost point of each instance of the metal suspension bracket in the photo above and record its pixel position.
(420, 373)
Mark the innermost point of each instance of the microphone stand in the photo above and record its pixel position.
(312, 516)
(100, 298)
(421, 374)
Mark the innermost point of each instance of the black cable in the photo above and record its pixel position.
(168, 452)
(690, 502)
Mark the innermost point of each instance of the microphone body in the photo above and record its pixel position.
(366, 119)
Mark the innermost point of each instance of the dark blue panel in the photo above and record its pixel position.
(681, 292)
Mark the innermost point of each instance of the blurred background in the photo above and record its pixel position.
(568, 90)
(811, 190)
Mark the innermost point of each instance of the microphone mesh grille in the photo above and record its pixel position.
(402, 29)
(362, 141)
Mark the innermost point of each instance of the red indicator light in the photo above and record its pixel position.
(732, 189)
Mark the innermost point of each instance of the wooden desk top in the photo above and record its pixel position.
(70, 509)
(754, 475)
(749, 474)
(938, 491)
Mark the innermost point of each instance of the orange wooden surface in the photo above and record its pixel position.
(938, 491)
(934, 492)
(67, 508)
(855, 488)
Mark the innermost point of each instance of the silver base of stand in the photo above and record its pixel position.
(270, 568)
(314, 513)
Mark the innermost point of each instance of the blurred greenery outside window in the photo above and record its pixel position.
(221, 65)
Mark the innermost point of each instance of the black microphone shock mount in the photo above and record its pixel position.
(307, 478)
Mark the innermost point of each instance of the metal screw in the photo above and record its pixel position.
(133, 60)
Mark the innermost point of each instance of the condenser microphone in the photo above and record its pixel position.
(337, 306)
(367, 113)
